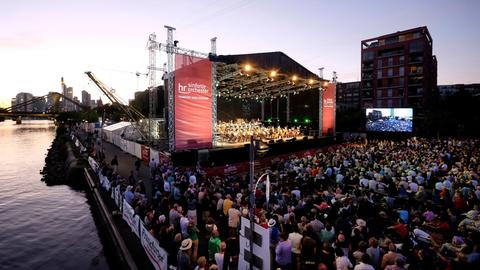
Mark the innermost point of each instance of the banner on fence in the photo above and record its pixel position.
(118, 196)
(157, 255)
(145, 153)
(129, 216)
(93, 164)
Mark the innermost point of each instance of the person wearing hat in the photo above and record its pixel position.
(183, 259)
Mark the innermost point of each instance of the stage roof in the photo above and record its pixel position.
(262, 76)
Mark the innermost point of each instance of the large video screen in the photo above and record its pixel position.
(389, 119)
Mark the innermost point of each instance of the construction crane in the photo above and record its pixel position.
(130, 111)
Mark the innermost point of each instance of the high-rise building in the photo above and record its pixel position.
(399, 70)
(64, 92)
(348, 95)
(39, 105)
(23, 97)
(69, 94)
(86, 98)
(448, 90)
(13, 102)
(99, 103)
(75, 107)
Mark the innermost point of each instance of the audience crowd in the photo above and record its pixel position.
(409, 204)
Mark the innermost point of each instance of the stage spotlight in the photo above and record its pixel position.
(273, 73)
(294, 78)
(325, 84)
(247, 67)
(311, 81)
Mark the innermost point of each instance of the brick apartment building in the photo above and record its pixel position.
(398, 70)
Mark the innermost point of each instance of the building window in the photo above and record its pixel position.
(390, 103)
(401, 81)
(390, 72)
(379, 103)
(367, 56)
(379, 83)
(401, 71)
(390, 61)
(379, 93)
(390, 92)
(401, 60)
(379, 63)
(416, 46)
(379, 74)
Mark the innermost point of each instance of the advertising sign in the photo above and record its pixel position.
(157, 255)
(193, 103)
(328, 110)
(145, 153)
(130, 217)
(261, 247)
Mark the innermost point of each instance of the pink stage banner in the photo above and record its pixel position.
(328, 110)
(193, 103)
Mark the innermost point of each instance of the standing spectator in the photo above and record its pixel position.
(234, 217)
(202, 264)
(138, 164)
(213, 245)
(363, 265)
(153, 166)
(114, 163)
(341, 260)
(220, 255)
(183, 259)
(283, 252)
(374, 252)
(296, 240)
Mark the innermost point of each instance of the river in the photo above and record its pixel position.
(41, 227)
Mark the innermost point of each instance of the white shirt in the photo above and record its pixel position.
(192, 179)
(363, 266)
(166, 186)
(364, 182)
(233, 217)
(219, 260)
(296, 239)
(343, 263)
(184, 225)
(372, 185)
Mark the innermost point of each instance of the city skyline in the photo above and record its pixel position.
(44, 41)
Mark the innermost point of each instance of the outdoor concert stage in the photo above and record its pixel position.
(239, 153)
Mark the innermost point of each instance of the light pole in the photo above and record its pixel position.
(253, 188)
(252, 200)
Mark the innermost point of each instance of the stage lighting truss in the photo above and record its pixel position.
(233, 81)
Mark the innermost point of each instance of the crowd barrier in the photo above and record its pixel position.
(157, 255)
(135, 149)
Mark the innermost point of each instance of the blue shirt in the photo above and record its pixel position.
(129, 197)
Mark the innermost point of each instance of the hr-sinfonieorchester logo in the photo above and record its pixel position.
(192, 88)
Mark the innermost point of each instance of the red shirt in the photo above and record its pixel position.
(401, 229)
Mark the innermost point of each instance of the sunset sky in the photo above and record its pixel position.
(41, 41)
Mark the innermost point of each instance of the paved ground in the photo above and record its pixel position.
(126, 164)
